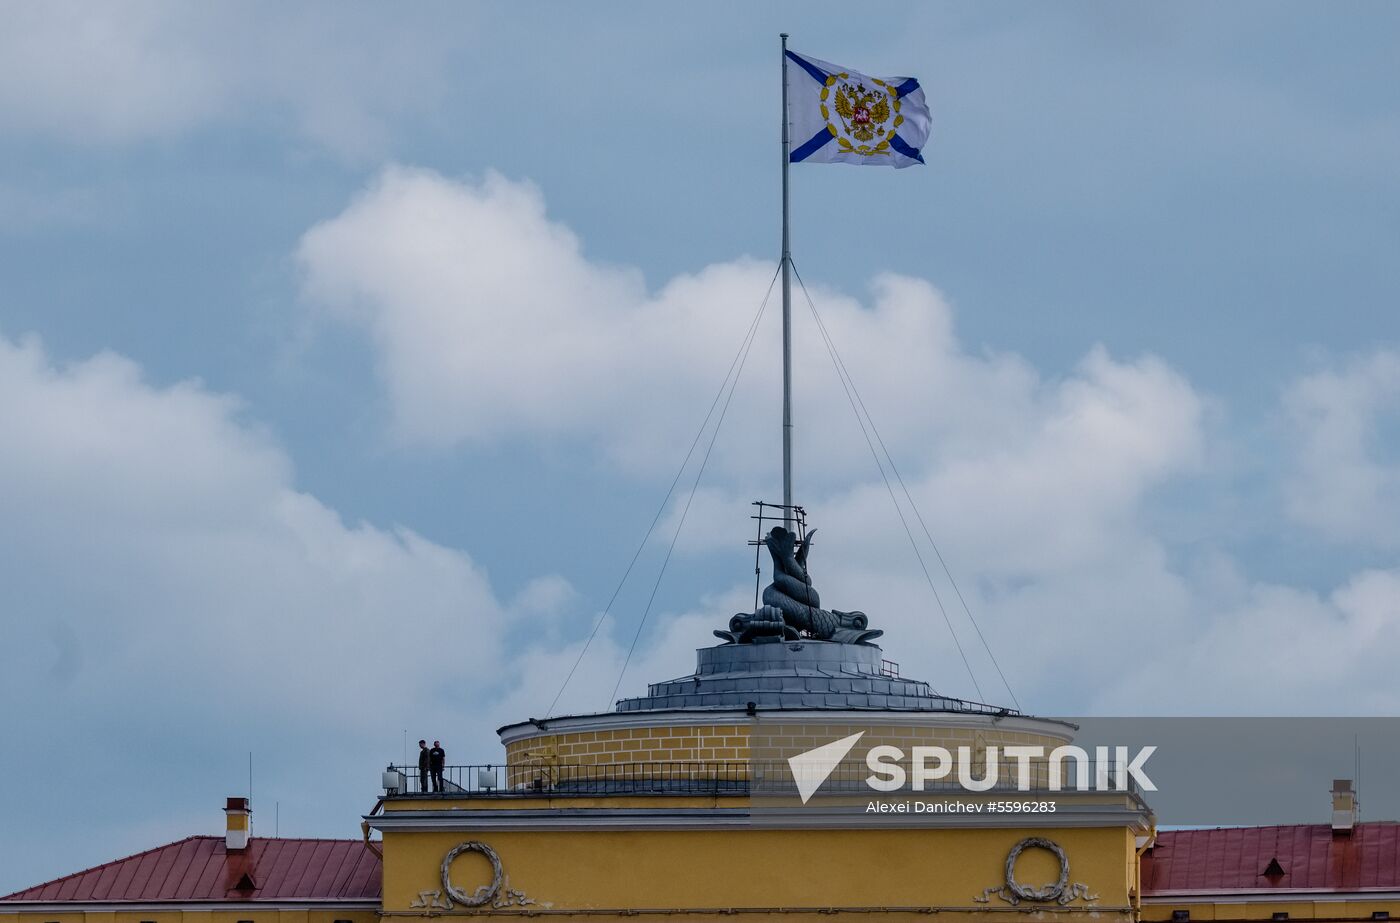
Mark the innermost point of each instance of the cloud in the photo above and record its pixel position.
(173, 602)
(490, 325)
(339, 76)
(1279, 650)
(488, 318)
(169, 578)
(201, 565)
(1341, 485)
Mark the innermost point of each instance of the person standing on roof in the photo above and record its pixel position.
(437, 757)
(424, 761)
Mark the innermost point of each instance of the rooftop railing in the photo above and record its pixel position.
(728, 777)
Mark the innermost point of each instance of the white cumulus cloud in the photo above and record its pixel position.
(174, 601)
(1342, 484)
(338, 75)
(489, 324)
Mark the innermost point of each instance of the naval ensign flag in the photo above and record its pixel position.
(841, 116)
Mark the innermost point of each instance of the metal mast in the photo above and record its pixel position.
(787, 312)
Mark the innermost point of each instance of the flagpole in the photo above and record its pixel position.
(787, 312)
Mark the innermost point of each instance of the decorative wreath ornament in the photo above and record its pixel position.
(1052, 891)
(1059, 891)
(484, 894)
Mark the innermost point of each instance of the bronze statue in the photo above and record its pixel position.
(791, 605)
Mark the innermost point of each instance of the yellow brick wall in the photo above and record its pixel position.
(633, 745)
(711, 743)
(804, 736)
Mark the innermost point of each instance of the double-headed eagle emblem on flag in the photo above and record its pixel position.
(862, 112)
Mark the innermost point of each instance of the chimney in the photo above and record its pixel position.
(239, 824)
(1344, 807)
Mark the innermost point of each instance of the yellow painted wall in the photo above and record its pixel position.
(692, 870)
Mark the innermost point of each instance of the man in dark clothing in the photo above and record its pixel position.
(437, 757)
(424, 760)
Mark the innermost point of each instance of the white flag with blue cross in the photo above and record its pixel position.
(838, 115)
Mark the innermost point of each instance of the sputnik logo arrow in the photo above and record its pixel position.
(810, 769)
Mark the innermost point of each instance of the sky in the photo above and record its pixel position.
(347, 352)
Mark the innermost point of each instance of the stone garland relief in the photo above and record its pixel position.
(497, 893)
(1059, 891)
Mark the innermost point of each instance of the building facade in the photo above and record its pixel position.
(685, 802)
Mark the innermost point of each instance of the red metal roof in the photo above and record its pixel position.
(199, 868)
(1222, 859)
(1235, 858)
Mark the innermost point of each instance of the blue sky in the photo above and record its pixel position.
(347, 350)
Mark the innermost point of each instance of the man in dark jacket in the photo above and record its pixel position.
(424, 761)
(437, 757)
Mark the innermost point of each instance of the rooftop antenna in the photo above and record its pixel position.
(1356, 746)
(277, 819)
(250, 791)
